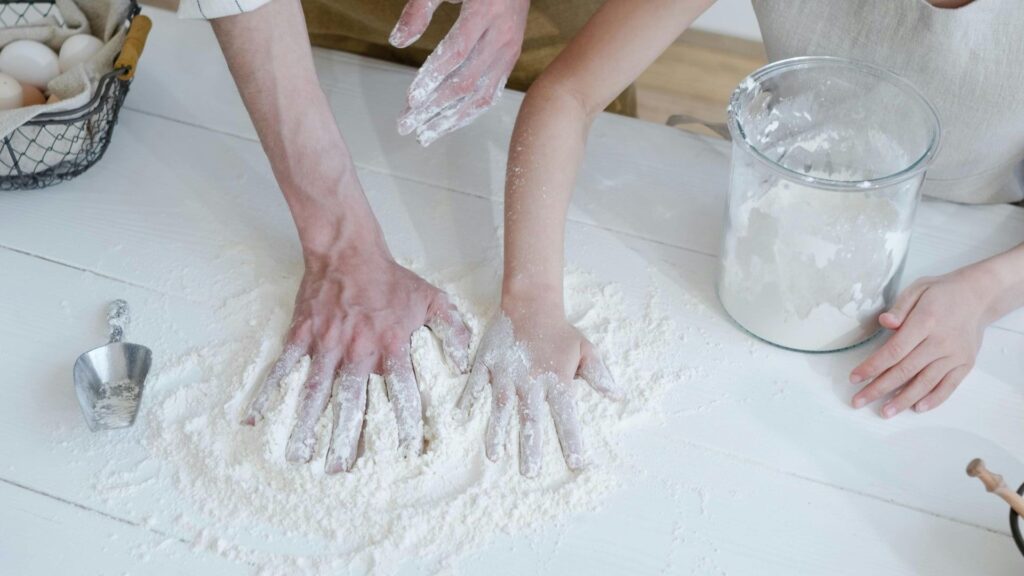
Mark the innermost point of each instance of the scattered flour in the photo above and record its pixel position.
(238, 497)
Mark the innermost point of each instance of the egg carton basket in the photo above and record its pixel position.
(58, 146)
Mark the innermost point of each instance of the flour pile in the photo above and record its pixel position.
(812, 269)
(243, 501)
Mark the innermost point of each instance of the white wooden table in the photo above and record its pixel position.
(796, 483)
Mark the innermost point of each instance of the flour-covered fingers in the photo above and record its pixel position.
(898, 375)
(530, 395)
(349, 407)
(463, 113)
(448, 95)
(446, 58)
(476, 384)
(502, 398)
(404, 396)
(919, 387)
(447, 324)
(413, 22)
(316, 391)
(272, 383)
(899, 345)
(593, 371)
(562, 401)
(946, 386)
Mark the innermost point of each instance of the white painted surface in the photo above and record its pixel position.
(763, 468)
(732, 17)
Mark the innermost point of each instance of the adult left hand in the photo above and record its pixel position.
(938, 324)
(466, 73)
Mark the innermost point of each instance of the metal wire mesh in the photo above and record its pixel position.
(55, 147)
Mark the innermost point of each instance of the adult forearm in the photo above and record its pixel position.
(269, 56)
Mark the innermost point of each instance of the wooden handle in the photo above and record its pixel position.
(134, 42)
(994, 483)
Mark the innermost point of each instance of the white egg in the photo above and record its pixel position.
(29, 62)
(10, 93)
(77, 49)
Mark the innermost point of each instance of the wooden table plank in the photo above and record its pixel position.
(690, 509)
(197, 231)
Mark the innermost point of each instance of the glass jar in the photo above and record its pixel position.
(828, 158)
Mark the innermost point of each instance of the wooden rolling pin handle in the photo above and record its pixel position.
(994, 483)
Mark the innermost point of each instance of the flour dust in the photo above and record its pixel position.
(236, 495)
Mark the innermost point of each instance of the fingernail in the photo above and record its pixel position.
(856, 378)
(396, 36)
(405, 126)
(921, 407)
(859, 402)
(889, 411)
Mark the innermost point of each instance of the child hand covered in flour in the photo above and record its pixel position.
(531, 353)
(465, 74)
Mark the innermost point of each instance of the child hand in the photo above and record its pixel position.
(530, 354)
(938, 324)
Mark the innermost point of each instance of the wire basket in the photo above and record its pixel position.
(58, 146)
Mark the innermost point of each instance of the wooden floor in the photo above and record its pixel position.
(696, 75)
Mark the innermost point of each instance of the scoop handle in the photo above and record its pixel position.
(118, 317)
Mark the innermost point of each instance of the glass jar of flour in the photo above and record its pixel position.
(828, 158)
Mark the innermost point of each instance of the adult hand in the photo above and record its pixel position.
(531, 355)
(353, 317)
(467, 71)
(938, 324)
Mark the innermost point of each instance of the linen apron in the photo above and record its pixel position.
(968, 62)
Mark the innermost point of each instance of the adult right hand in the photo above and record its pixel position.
(466, 73)
(355, 315)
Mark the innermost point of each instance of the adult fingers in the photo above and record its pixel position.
(919, 387)
(901, 343)
(448, 56)
(502, 393)
(413, 22)
(903, 372)
(462, 113)
(349, 407)
(562, 400)
(894, 317)
(946, 387)
(312, 401)
(530, 393)
(456, 87)
(272, 383)
(447, 324)
(593, 370)
(404, 396)
(474, 389)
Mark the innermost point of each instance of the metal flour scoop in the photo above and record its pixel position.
(109, 380)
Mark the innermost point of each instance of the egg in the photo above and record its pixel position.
(30, 95)
(29, 62)
(53, 99)
(78, 49)
(10, 93)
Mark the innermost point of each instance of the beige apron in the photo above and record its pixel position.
(969, 62)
